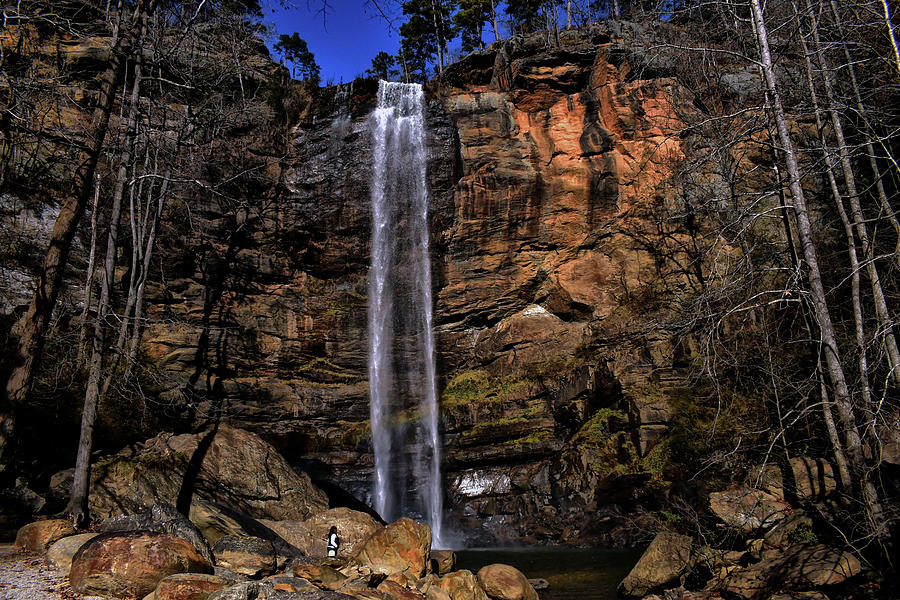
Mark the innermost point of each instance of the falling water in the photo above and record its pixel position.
(402, 386)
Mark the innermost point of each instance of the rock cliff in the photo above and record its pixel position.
(557, 382)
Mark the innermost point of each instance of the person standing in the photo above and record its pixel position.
(333, 541)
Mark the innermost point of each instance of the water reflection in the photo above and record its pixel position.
(574, 574)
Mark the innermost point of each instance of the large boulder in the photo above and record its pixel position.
(462, 585)
(40, 535)
(800, 568)
(188, 586)
(748, 509)
(132, 563)
(250, 556)
(354, 528)
(226, 465)
(322, 576)
(216, 521)
(62, 551)
(161, 518)
(664, 562)
(404, 546)
(504, 582)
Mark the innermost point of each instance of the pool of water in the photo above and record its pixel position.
(573, 573)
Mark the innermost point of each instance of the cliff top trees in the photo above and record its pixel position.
(383, 66)
(293, 48)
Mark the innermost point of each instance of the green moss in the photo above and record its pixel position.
(128, 467)
(479, 386)
(534, 438)
(599, 428)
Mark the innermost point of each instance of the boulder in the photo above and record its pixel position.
(748, 509)
(801, 567)
(61, 552)
(394, 591)
(250, 556)
(354, 528)
(40, 535)
(504, 582)
(226, 465)
(132, 563)
(321, 576)
(443, 561)
(462, 585)
(248, 590)
(216, 521)
(287, 583)
(188, 586)
(161, 518)
(792, 529)
(664, 562)
(403, 546)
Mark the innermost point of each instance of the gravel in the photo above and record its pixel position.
(25, 576)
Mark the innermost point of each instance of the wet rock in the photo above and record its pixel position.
(463, 585)
(663, 563)
(188, 586)
(802, 567)
(61, 552)
(250, 556)
(40, 535)
(132, 563)
(322, 576)
(161, 518)
(403, 546)
(504, 582)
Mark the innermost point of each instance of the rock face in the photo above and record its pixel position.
(543, 164)
(132, 563)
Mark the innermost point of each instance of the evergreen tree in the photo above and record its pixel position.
(294, 49)
(470, 20)
(433, 20)
(383, 66)
(417, 47)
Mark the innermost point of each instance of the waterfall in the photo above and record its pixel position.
(402, 382)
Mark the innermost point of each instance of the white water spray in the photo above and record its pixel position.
(402, 381)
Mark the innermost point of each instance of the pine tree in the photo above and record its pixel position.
(383, 66)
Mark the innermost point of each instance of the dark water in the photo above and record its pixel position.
(574, 574)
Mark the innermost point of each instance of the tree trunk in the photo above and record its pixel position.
(78, 502)
(818, 299)
(881, 309)
(50, 279)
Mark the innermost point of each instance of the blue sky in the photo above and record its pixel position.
(347, 41)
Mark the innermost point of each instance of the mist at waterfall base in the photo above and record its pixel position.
(402, 379)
